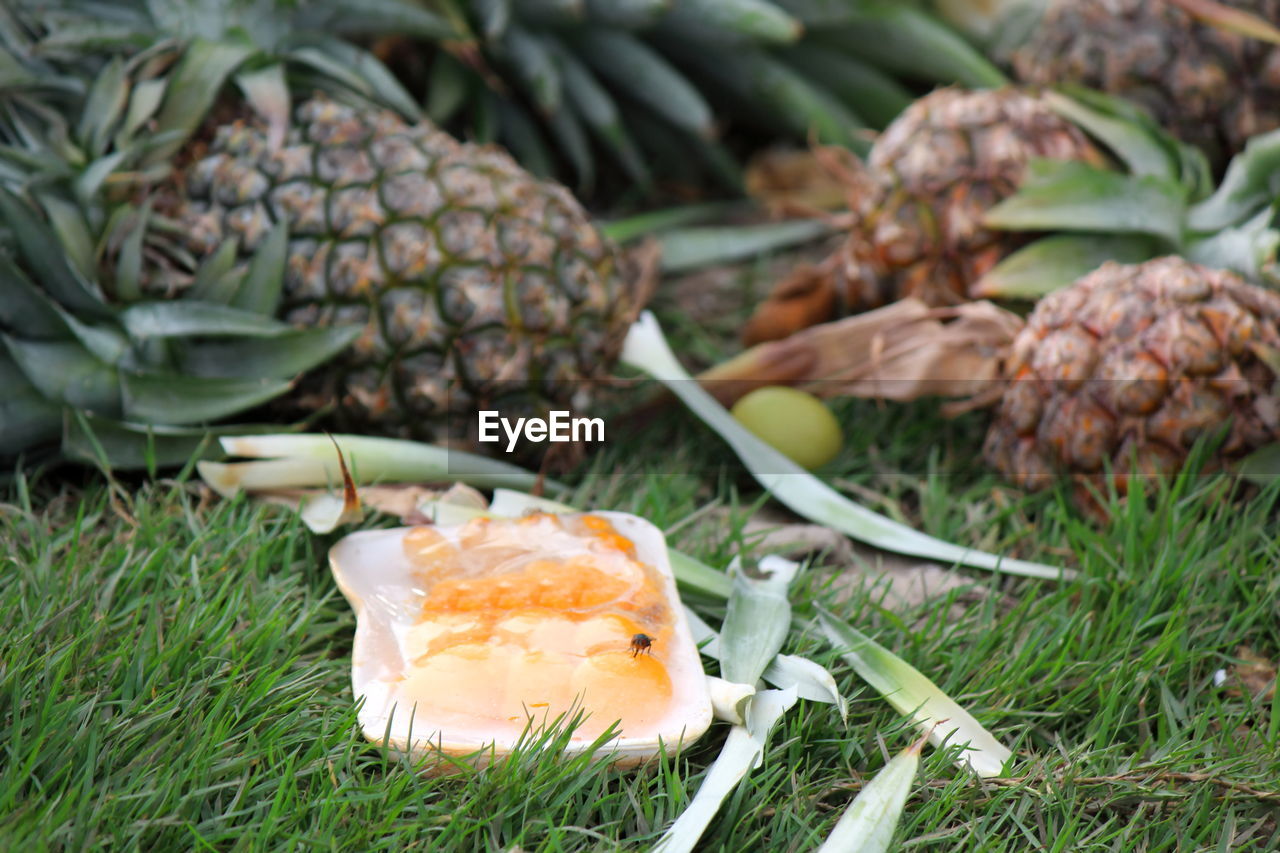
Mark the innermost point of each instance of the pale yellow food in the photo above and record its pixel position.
(478, 631)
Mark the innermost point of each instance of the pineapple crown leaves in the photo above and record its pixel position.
(69, 349)
(162, 65)
(564, 80)
(1159, 200)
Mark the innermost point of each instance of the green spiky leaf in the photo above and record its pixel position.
(639, 71)
(204, 67)
(163, 398)
(731, 20)
(186, 318)
(1077, 197)
(1052, 263)
(263, 285)
(280, 357)
(45, 257)
(67, 372)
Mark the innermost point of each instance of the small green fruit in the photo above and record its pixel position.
(795, 423)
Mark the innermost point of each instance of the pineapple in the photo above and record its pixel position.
(470, 283)
(474, 283)
(1121, 372)
(918, 206)
(1209, 71)
(1127, 368)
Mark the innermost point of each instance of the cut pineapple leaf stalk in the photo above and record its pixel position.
(867, 826)
(300, 461)
(906, 689)
(811, 680)
(743, 751)
(757, 620)
(646, 350)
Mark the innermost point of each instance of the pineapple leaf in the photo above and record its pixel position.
(1077, 197)
(904, 40)
(170, 398)
(626, 14)
(68, 223)
(45, 257)
(106, 342)
(1252, 181)
(549, 12)
(732, 20)
(213, 281)
(521, 134)
(267, 92)
(531, 59)
(91, 179)
(204, 67)
(655, 221)
(128, 278)
(27, 419)
(65, 371)
(103, 108)
(569, 133)
(448, 86)
(868, 91)
(757, 620)
(1262, 466)
(144, 101)
(640, 72)
(374, 18)
(264, 283)
(494, 17)
(597, 108)
(113, 444)
(1249, 248)
(690, 248)
(1140, 150)
(25, 306)
(1054, 262)
(357, 69)
(775, 93)
(187, 318)
(822, 13)
(280, 357)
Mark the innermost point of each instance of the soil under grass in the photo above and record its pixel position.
(175, 670)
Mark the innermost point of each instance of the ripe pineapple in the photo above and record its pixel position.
(1123, 370)
(1213, 80)
(192, 176)
(473, 281)
(1131, 365)
(918, 206)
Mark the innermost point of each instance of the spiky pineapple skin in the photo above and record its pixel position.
(919, 204)
(1211, 87)
(477, 285)
(1127, 368)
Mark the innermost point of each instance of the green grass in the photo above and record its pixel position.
(175, 674)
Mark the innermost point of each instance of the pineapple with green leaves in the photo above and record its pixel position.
(1209, 70)
(204, 166)
(921, 206)
(645, 93)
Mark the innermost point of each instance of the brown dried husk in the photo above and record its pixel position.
(901, 352)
